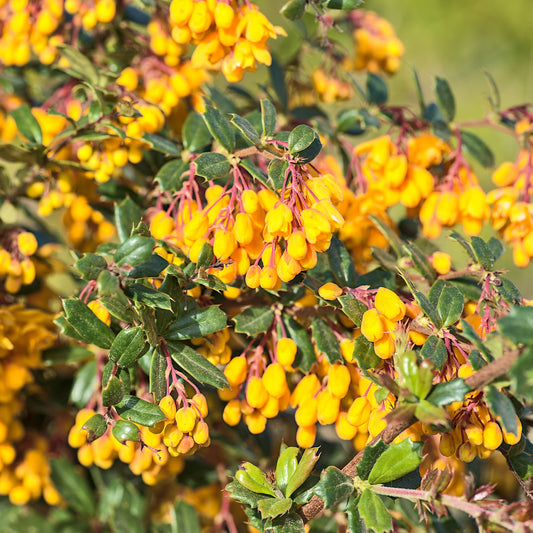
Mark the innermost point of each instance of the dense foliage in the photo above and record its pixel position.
(224, 306)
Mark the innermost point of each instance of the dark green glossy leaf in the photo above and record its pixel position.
(364, 354)
(288, 523)
(448, 300)
(304, 143)
(268, 118)
(197, 323)
(205, 258)
(325, 340)
(341, 263)
(355, 524)
(149, 296)
(334, 486)
(113, 392)
(373, 512)
(483, 253)
(464, 243)
(277, 170)
(125, 431)
(72, 486)
(370, 456)
(245, 128)
(134, 251)
(197, 365)
(428, 308)
(396, 461)
(27, 124)
(90, 266)
(87, 324)
(523, 465)
(128, 346)
(151, 269)
(119, 306)
(305, 354)
(139, 411)
(212, 165)
(434, 350)
(346, 5)
(68, 329)
(96, 426)
(272, 507)
(195, 133)
(170, 174)
(243, 495)
(508, 291)
(254, 320)
(376, 89)
(445, 97)
(353, 308)
(158, 379)
(127, 216)
(448, 392)
(255, 172)
(84, 385)
(219, 128)
(160, 144)
(503, 408)
(477, 148)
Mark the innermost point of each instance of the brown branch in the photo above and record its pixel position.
(403, 420)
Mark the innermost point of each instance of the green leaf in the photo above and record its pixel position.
(376, 89)
(277, 170)
(242, 494)
(341, 263)
(255, 172)
(126, 431)
(73, 487)
(450, 305)
(90, 266)
(27, 124)
(354, 520)
(95, 427)
(254, 480)
(197, 323)
(483, 253)
(184, 518)
(325, 340)
(68, 329)
(134, 251)
(508, 291)
(128, 346)
(195, 133)
(65, 354)
(334, 486)
(119, 306)
(445, 97)
(468, 332)
(463, 242)
(113, 392)
(428, 413)
(417, 378)
(139, 411)
(346, 5)
(87, 324)
(272, 507)
(286, 466)
(158, 379)
(521, 375)
(420, 262)
(434, 350)
(149, 296)
(365, 354)
(388, 233)
(304, 143)
(428, 308)
(212, 165)
(160, 144)
(245, 128)
(503, 408)
(303, 470)
(127, 216)
(268, 118)
(448, 392)
(370, 456)
(170, 174)
(150, 269)
(523, 465)
(197, 365)
(254, 320)
(305, 353)
(84, 385)
(220, 128)
(294, 9)
(396, 461)
(517, 325)
(374, 513)
(477, 148)
(353, 308)
(80, 66)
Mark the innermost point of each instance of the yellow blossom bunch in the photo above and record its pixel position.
(27, 27)
(225, 34)
(377, 47)
(90, 13)
(511, 208)
(17, 267)
(330, 89)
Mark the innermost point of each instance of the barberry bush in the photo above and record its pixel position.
(225, 303)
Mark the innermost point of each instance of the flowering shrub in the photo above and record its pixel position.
(234, 291)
